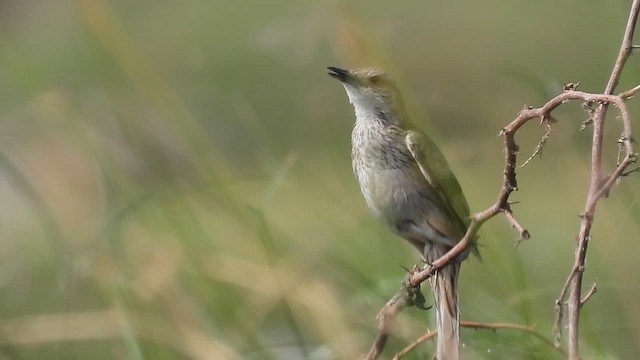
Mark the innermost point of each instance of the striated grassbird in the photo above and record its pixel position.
(407, 183)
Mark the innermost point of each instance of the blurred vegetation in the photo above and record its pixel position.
(176, 178)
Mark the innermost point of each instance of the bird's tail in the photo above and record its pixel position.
(444, 286)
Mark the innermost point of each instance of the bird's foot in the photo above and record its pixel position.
(414, 296)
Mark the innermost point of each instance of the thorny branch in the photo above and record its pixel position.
(396, 304)
(600, 186)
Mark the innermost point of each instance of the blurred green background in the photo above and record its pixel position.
(176, 182)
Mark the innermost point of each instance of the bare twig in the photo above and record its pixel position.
(543, 141)
(478, 326)
(417, 342)
(630, 93)
(589, 294)
(524, 233)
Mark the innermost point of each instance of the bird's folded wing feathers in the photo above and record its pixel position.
(436, 170)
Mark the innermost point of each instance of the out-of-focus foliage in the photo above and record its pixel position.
(176, 182)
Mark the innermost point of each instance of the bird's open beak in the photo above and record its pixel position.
(340, 74)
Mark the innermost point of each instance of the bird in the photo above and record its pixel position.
(408, 184)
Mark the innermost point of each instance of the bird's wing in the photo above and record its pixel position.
(435, 169)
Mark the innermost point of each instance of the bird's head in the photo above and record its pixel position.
(369, 88)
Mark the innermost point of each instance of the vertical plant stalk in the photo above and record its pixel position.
(598, 188)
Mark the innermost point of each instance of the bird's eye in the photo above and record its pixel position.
(374, 79)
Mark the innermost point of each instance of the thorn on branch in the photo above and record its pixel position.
(511, 188)
(622, 139)
(584, 215)
(589, 294)
(570, 86)
(622, 142)
(630, 93)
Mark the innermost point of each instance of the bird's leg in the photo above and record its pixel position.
(414, 296)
